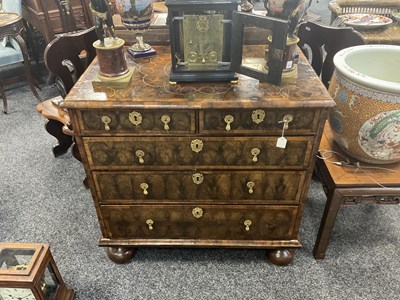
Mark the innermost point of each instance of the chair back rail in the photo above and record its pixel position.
(323, 43)
(63, 55)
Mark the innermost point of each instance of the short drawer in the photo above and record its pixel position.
(136, 122)
(213, 186)
(207, 152)
(234, 222)
(256, 121)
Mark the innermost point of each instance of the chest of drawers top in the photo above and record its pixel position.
(150, 89)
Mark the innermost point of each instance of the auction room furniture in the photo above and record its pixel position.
(320, 43)
(14, 51)
(63, 58)
(350, 185)
(51, 17)
(385, 35)
(197, 164)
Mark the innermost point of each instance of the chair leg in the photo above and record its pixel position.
(3, 96)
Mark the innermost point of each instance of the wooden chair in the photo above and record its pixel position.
(13, 51)
(67, 57)
(320, 44)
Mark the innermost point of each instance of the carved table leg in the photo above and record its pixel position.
(280, 257)
(120, 255)
(54, 128)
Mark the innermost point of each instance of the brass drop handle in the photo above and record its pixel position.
(247, 223)
(196, 145)
(165, 119)
(286, 120)
(144, 186)
(255, 152)
(228, 120)
(139, 154)
(251, 185)
(150, 223)
(197, 212)
(106, 121)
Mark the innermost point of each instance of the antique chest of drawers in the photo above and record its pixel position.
(198, 165)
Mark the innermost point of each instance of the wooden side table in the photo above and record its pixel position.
(11, 24)
(348, 185)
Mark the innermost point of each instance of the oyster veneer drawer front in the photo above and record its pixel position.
(265, 121)
(208, 152)
(228, 222)
(213, 186)
(137, 121)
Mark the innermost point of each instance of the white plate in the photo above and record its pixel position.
(366, 21)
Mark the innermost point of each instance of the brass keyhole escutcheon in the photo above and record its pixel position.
(228, 120)
(165, 119)
(251, 186)
(139, 154)
(286, 120)
(247, 223)
(106, 121)
(258, 116)
(144, 186)
(197, 212)
(255, 152)
(150, 223)
(198, 178)
(196, 145)
(135, 118)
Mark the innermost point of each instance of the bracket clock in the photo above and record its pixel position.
(28, 272)
(207, 42)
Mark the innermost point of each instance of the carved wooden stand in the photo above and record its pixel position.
(347, 186)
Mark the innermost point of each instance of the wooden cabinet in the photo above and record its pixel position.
(51, 17)
(197, 164)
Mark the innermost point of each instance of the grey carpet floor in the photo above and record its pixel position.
(42, 199)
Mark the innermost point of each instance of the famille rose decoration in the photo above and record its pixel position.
(366, 89)
(136, 15)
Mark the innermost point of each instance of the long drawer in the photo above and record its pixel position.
(204, 152)
(234, 222)
(214, 186)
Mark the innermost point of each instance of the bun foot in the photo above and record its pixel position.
(280, 257)
(120, 255)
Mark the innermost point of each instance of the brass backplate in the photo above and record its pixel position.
(203, 39)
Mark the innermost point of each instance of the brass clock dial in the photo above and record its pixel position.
(16, 294)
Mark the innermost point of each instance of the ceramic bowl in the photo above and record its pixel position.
(366, 89)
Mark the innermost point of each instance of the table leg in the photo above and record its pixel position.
(328, 220)
(3, 95)
(27, 65)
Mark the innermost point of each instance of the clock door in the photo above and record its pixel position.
(264, 63)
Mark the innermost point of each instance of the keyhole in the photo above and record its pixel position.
(135, 118)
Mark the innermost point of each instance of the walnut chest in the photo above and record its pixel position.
(199, 164)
